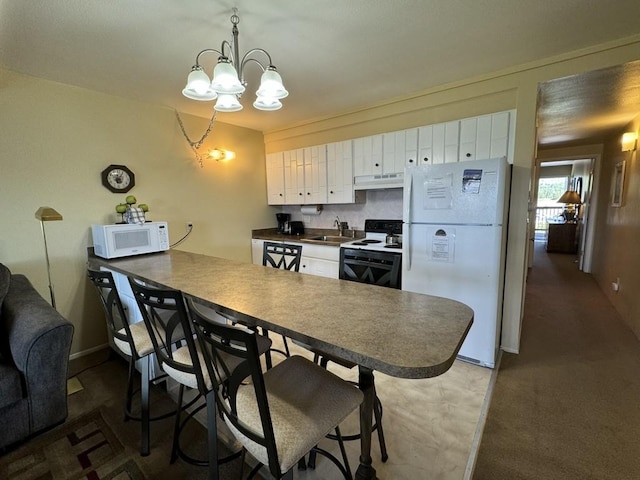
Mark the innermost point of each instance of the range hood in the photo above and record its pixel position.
(371, 182)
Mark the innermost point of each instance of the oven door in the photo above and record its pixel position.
(372, 267)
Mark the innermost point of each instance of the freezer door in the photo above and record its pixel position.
(472, 193)
(462, 263)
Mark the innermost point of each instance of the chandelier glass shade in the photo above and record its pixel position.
(227, 83)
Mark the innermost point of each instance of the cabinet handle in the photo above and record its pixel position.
(280, 194)
(411, 160)
(468, 155)
(300, 193)
(425, 159)
(377, 164)
(308, 193)
(331, 192)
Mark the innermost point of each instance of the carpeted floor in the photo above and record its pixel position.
(567, 407)
(95, 443)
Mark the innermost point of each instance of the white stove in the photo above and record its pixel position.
(376, 232)
(370, 259)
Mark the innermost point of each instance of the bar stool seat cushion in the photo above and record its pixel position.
(306, 402)
(141, 340)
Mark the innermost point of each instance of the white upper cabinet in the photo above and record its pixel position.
(275, 178)
(367, 156)
(290, 177)
(484, 137)
(340, 172)
(438, 143)
(315, 175)
(502, 135)
(334, 173)
(400, 149)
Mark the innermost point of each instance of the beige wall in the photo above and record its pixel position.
(515, 88)
(56, 139)
(618, 232)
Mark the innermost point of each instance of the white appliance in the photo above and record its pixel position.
(375, 259)
(124, 239)
(454, 236)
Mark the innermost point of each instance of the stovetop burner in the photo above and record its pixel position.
(376, 233)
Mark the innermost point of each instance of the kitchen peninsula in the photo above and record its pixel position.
(399, 333)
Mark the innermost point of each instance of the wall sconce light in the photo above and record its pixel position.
(218, 154)
(48, 214)
(628, 142)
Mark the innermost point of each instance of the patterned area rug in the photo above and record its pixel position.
(82, 448)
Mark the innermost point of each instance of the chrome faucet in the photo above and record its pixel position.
(342, 226)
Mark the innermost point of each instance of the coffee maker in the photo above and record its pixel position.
(283, 222)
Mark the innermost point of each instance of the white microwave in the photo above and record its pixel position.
(125, 239)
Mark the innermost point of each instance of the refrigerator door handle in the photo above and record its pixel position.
(408, 246)
(408, 195)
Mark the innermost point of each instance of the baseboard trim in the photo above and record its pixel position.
(477, 437)
(84, 353)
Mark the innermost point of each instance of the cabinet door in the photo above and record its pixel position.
(256, 251)
(475, 138)
(451, 141)
(411, 148)
(500, 129)
(398, 148)
(340, 172)
(319, 267)
(290, 178)
(367, 155)
(315, 174)
(425, 145)
(275, 178)
(300, 170)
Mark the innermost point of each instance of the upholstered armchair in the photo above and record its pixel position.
(35, 341)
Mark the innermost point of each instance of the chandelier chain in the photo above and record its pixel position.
(195, 146)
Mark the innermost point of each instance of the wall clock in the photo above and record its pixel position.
(118, 178)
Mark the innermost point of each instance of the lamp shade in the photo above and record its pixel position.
(267, 104)
(570, 197)
(225, 78)
(629, 141)
(47, 214)
(271, 84)
(227, 103)
(199, 86)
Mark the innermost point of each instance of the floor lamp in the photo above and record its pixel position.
(48, 214)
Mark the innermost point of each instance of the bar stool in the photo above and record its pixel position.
(168, 320)
(284, 256)
(278, 415)
(134, 342)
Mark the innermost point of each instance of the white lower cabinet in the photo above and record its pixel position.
(256, 251)
(320, 260)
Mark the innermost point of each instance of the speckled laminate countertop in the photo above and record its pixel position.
(307, 237)
(399, 333)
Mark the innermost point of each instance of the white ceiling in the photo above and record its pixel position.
(335, 56)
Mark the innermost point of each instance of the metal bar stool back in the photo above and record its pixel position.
(133, 341)
(278, 415)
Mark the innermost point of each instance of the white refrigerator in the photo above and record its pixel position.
(454, 237)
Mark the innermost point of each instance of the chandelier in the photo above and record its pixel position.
(227, 83)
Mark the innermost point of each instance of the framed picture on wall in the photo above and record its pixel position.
(618, 184)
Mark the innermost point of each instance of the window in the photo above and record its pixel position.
(550, 190)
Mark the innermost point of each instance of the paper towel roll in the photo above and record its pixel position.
(311, 209)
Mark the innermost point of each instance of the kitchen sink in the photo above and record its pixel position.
(334, 239)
